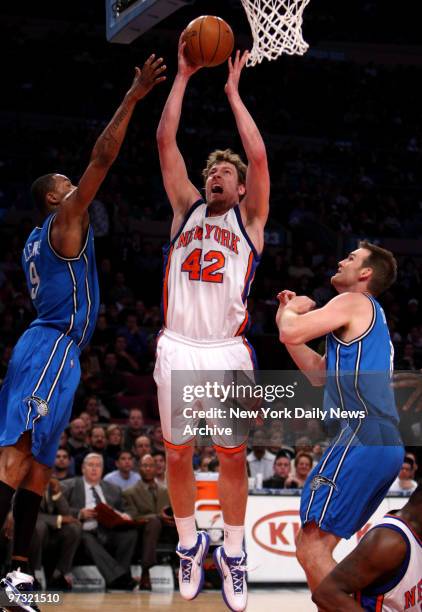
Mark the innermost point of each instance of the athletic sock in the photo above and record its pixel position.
(6, 494)
(233, 540)
(186, 528)
(25, 512)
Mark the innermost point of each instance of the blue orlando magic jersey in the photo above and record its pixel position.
(359, 373)
(64, 291)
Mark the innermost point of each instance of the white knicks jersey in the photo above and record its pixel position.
(404, 592)
(208, 270)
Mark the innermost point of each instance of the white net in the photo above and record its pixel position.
(276, 28)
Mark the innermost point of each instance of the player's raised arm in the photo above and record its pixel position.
(180, 191)
(256, 200)
(73, 210)
(377, 555)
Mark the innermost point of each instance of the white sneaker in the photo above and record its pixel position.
(191, 571)
(232, 571)
(16, 585)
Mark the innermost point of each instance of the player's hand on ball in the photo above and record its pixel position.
(185, 67)
(235, 69)
(301, 304)
(146, 78)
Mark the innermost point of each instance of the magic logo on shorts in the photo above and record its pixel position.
(318, 481)
(39, 404)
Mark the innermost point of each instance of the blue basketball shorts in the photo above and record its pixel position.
(349, 483)
(38, 390)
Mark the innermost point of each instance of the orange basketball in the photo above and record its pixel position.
(209, 41)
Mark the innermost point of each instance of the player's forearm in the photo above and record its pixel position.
(110, 140)
(170, 117)
(289, 327)
(309, 361)
(252, 141)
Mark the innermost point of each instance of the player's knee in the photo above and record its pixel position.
(235, 462)
(178, 458)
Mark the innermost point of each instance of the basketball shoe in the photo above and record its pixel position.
(191, 571)
(232, 572)
(16, 585)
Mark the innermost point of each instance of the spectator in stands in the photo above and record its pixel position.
(260, 460)
(282, 466)
(404, 481)
(77, 443)
(203, 464)
(149, 500)
(87, 420)
(136, 339)
(135, 428)
(110, 550)
(114, 435)
(62, 466)
(142, 447)
(111, 384)
(126, 363)
(96, 410)
(103, 335)
(214, 465)
(124, 477)
(160, 466)
(157, 441)
(56, 538)
(121, 293)
(99, 446)
(303, 465)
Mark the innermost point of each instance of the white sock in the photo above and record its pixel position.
(186, 528)
(233, 540)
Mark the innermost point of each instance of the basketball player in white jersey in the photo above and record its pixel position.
(384, 571)
(215, 246)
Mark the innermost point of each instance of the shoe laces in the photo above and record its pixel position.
(186, 563)
(237, 568)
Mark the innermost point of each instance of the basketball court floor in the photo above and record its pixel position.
(270, 600)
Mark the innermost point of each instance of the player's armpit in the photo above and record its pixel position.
(376, 558)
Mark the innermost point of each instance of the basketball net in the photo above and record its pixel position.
(276, 28)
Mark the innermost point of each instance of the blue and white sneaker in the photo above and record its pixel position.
(16, 585)
(191, 571)
(232, 571)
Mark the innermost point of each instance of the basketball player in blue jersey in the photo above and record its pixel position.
(37, 394)
(215, 247)
(356, 471)
(384, 571)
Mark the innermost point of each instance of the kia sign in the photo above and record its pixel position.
(272, 525)
(277, 532)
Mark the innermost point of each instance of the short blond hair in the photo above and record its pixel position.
(227, 155)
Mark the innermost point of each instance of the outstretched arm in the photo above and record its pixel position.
(256, 200)
(72, 214)
(378, 554)
(180, 191)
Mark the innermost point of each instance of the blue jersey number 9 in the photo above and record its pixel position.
(35, 280)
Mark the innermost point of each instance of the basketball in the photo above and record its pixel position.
(209, 41)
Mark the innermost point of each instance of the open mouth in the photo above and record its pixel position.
(216, 189)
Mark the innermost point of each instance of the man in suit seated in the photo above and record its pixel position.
(110, 550)
(149, 500)
(56, 530)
